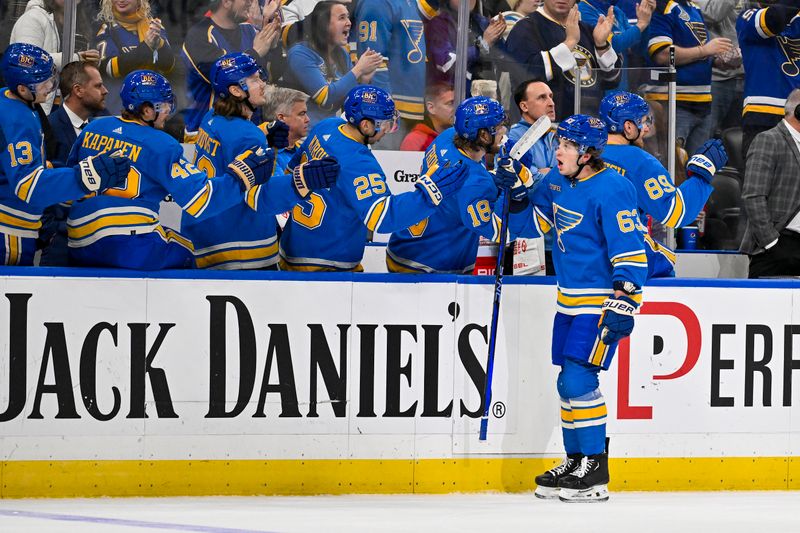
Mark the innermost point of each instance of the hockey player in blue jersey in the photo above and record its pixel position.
(329, 230)
(626, 116)
(600, 266)
(120, 228)
(447, 240)
(244, 236)
(27, 185)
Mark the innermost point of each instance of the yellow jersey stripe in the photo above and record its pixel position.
(409, 107)
(762, 24)
(376, 214)
(321, 96)
(244, 254)
(251, 198)
(681, 97)
(27, 184)
(199, 203)
(11, 220)
(755, 108)
(678, 210)
(80, 232)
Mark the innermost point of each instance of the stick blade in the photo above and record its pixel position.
(538, 130)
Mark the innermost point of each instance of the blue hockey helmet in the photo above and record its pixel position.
(585, 131)
(619, 106)
(146, 87)
(477, 113)
(369, 102)
(28, 65)
(232, 69)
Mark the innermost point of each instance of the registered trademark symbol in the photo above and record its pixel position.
(499, 409)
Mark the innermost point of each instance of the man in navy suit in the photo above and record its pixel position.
(84, 97)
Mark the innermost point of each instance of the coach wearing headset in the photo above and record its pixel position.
(772, 197)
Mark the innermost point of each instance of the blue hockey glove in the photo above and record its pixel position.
(315, 174)
(616, 320)
(252, 167)
(519, 199)
(277, 134)
(102, 171)
(444, 181)
(708, 159)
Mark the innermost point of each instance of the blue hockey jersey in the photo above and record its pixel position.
(598, 236)
(158, 169)
(395, 29)
(329, 230)
(240, 237)
(656, 194)
(770, 42)
(680, 22)
(27, 187)
(447, 241)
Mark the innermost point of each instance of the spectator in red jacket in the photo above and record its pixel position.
(439, 115)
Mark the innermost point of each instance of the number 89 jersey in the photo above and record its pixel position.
(329, 230)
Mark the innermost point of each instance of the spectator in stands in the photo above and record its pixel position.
(727, 74)
(320, 66)
(680, 23)
(439, 115)
(293, 14)
(521, 9)
(225, 30)
(772, 198)
(40, 25)
(441, 38)
(766, 37)
(84, 96)
(625, 36)
(130, 39)
(290, 107)
(395, 30)
(548, 44)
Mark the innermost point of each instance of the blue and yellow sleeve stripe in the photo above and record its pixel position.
(676, 211)
(376, 213)
(636, 258)
(198, 204)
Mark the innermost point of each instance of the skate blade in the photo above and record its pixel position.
(546, 493)
(598, 493)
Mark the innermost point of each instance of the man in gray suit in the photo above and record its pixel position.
(771, 195)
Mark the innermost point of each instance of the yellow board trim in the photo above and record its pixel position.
(70, 479)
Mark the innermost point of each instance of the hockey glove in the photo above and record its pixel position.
(277, 134)
(509, 171)
(252, 167)
(707, 160)
(102, 171)
(315, 174)
(442, 181)
(616, 320)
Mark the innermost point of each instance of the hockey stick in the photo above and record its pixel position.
(528, 139)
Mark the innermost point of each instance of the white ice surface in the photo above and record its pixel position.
(707, 512)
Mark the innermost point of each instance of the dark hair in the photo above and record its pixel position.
(595, 162)
(228, 107)
(72, 74)
(435, 90)
(522, 89)
(318, 38)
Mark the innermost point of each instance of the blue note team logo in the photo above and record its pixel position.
(26, 61)
(369, 97)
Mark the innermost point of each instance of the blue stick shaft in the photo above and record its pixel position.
(498, 288)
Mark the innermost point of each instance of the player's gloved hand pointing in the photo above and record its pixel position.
(315, 174)
(278, 134)
(442, 181)
(102, 171)
(707, 160)
(616, 320)
(252, 167)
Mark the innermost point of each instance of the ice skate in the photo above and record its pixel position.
(547, 483)
(588, 482)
